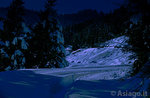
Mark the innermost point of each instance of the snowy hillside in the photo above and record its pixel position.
(111, 54)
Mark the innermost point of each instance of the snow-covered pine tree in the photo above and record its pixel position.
(14, 35)
(47, 43)
(20, 46)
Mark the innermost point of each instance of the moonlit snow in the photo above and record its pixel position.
(93, 73)
(111, 54)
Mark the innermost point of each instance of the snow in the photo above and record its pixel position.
(7, 43)
(95, 73)
(18, 55)
(24, 44)
(58, 35)
(104, 89)
(15, 41)
(111, 54)
(18, 52)
(3, 53)
(68, 50)
(25, 28)
(68, 83)
(2, 43)
(27, 84)
(88, 73)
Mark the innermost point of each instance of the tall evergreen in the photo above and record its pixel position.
(14, 36)
(14, 19)
(47, 48)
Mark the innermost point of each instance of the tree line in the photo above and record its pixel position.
(41, 45)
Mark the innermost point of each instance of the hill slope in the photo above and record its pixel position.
(111, 54)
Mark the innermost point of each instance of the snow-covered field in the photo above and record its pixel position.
(93, 73)
(68, 83)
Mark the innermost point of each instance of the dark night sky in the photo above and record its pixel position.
(71, 6)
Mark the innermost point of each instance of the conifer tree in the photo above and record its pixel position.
(14, 19)
(14, 35)
(47, 43)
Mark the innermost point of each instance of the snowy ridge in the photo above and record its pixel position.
(117, 42)
(111, 54)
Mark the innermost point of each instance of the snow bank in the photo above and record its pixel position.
(27, 84)
(134, 87)
(69, 83)
(73, 82)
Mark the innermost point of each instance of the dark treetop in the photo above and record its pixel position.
(71, 6)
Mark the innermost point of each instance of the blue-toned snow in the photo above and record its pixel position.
(65, 83)
(80, 80)
(24, 44)
(2, 43)
(111, 54)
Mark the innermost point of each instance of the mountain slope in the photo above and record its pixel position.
(109, 53)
